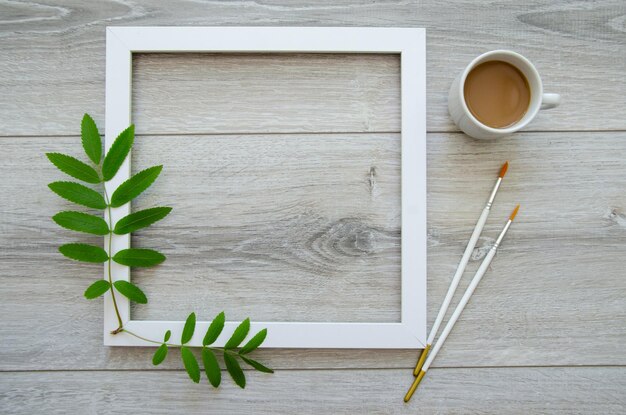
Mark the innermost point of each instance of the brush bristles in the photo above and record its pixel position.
(514, 213)
(503, 169)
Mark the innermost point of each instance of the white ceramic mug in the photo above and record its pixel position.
(464, 119)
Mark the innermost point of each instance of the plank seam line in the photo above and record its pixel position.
(196, 134)
(325, 369)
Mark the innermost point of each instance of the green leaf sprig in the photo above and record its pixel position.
(99, 169)
(229, 351)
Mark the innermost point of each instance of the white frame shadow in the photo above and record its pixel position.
(410, 332)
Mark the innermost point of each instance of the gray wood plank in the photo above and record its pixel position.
(484, 391)
(554, 295)
(52, 61)
(308, 226)
(234, 93)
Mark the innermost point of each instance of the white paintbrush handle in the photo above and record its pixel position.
(459, 308)
(459, 273)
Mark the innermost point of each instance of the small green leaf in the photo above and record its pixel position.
(191, 364)
(214, 329)
(254, 342)
(137, 257)
(133, 187)
(96, 289)
(118, 152)
(84, 252)
(78, 194)
(140, 219)
(74, 167)
(258, 366)
(167, 336)
(190, 327)
(159, 355)
(130, 291)
(211, 367)
(92, 143)
(81, 222)
(239, 334)
(232, 365)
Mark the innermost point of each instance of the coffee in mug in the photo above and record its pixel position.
(498, 93)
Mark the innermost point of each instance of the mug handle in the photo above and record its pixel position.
(550, 101)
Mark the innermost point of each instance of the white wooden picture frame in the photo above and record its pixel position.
(410, 332)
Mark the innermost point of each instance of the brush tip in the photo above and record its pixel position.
(503, 169)
(514, 213)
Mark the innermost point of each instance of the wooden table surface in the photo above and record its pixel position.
(283, 172)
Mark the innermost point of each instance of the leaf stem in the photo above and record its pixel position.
(148, 340)
(231, 352)
(117, 311)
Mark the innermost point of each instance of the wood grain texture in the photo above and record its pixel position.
(251, 93)
(559, 272)
(454, 391)
(262, 218)
(302, 228)
(52, 60)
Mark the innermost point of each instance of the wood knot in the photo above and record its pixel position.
(353, 238)
(481, 251)
(372, 179)
(616, 216)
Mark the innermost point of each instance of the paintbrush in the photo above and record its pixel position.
(460, 269)
(459, 308)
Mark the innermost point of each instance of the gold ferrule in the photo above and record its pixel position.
(414, 386)
(421, 360)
